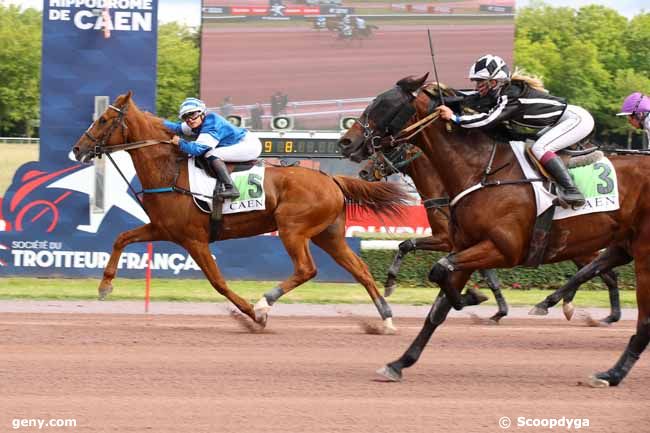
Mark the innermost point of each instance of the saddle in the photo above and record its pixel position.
(232, 166)
(574, 156)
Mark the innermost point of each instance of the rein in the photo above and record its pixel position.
(101, 148)
(105, 150)
(414, 129)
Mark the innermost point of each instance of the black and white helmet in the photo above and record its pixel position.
(490, 67)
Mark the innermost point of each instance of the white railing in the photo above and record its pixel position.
(20, 140)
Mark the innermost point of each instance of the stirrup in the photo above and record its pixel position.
(226, 192)
(571, 198)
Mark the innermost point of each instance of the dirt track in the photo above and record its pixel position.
(133, 373)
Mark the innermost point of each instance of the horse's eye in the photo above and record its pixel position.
(102, 120)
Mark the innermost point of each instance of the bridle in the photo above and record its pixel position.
(375, 141)
(387, 151)
(100, 148)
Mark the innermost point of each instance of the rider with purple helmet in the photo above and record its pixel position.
(637, 107)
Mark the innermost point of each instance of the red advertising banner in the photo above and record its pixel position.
(413, 221)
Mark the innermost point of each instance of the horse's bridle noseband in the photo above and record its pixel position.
(100, 147)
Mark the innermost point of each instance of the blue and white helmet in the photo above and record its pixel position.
(191, 105)
(490, 67)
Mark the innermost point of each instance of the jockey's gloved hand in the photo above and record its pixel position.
(446, 113)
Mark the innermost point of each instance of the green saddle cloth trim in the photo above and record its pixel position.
(596, 180)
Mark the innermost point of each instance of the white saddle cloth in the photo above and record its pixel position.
(544, 199)
(249, 183)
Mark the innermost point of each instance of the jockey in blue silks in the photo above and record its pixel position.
(217, 140)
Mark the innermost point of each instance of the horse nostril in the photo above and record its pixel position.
(75, 150)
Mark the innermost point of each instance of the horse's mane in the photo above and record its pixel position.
(153, 124)
(157, 123)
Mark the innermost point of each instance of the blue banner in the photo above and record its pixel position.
(60, 218)
(89, 51)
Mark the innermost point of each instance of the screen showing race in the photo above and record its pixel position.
(318, 62)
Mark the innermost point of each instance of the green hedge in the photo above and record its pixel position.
(416, 266)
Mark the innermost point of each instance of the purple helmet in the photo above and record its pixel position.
(637, 102)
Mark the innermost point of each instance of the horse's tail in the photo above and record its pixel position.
(381, 197)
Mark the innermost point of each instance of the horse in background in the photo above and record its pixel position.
(492, 227)
(303, 205)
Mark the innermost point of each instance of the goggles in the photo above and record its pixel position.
(192, 115)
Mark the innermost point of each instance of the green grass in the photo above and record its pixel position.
(313, 293)
(13, 156)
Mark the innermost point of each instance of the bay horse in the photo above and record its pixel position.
(301, 204)
(410, 160)
(491, 227)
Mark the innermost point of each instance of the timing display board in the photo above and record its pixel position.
(300, 144)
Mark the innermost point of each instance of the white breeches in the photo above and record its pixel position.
(574, 125)
(246, 150)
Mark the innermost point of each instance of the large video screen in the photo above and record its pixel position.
(318, 62)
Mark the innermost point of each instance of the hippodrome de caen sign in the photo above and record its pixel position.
(54, 218)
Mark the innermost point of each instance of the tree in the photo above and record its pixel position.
(20, 72)
(637, 39)
(606, 29)
(178, 67)
(593, 57)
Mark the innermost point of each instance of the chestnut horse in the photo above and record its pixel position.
(492, 227)
(411, 161)
(301, 204)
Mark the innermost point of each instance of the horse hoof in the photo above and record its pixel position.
(261, 317)
(596, 382)
(390, 374)
(261, 310)
(494, 320)
(538, 311)
(104, 290)
(612, 318)
(568, 310)
(389, 328)
(478, 296)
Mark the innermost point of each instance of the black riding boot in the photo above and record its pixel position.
(567, 189)
(225, 188)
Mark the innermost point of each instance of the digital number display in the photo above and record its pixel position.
(299, 147)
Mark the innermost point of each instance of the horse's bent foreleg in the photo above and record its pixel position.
(430, 243)
(145, 233)
(332, 241)
(201, 254)
(304, 269)
(483, 255)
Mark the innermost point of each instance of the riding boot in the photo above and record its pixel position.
(567, 190)
(225, 187)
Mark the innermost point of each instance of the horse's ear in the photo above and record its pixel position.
(411, 84)
(127, 97)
